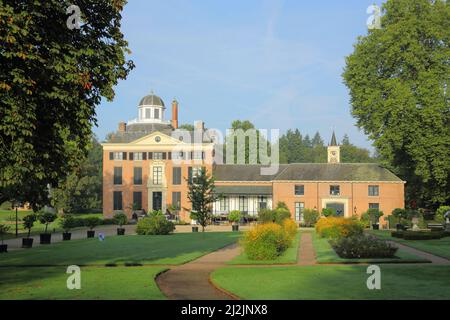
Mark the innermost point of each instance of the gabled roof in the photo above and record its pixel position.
(308, 172)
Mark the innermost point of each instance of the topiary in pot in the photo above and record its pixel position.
(120, 219)
(92, 222)
(67, 223)
(234, 217)
(46, 217)
(28, 223)
(374, 215)
(3, 231)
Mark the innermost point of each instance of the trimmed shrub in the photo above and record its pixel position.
(154, 225)
(234, 216)
(281, 214)
(92, 222)
(67, 222)
(397, 234)
(374, 215)
(310, 217)
(265, 241)
(422, 235)
(361, 247)
(334, 227)
(439, 216)
(277, 215)
(365, 219)
(120, 219)
(328, 212)
(290, 227)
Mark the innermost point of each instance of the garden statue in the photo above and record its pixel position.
(447, 220)
(415, 222)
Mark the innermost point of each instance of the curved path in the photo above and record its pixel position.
(190, 281)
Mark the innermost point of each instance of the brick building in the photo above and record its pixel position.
(146, 164)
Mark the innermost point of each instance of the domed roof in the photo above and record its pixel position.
(151, 100)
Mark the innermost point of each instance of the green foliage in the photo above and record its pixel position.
(120, 219)
(201, 194)
(81, 191)
(400, 214)
(365, 219)
(68, 222)
(234, 216)
(418, 235)
(92, 222)
(374, 215)
(328, 212)
(281, 214)
(310, 217)
(398, 78)
(46, 217)
(362, 247)
(439, 216)
(154, 225)
(4, 230)
(282, 205)
(266, 215)
(28, 222)
(337, 227)
(51, 80)
(265, 241)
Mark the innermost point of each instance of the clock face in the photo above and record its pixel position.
(157, 138)
(333, 153)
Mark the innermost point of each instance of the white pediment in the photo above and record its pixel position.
(156, 138)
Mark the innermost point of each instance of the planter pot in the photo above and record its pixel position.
(27, 242)
(46, 238)
(194, 229)
(91, 233)
(67, 236)
(120, 231)
(3, 248)
(235, 227)
(375, 226)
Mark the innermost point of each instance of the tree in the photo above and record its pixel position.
(188, 127)
(202, 195)
(81, 191)
(398, 81)
(51, 80)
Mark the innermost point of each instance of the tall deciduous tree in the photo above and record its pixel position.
(202, 195)
(51, 80)
(398, 78)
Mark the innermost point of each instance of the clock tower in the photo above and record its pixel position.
(334, 152)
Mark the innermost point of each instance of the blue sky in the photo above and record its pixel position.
(276, 63)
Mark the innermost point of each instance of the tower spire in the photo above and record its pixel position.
(333, 140)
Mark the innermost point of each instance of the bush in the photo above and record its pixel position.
(418, 235)
(120, 219)
(281, 214)
(374, 215)
(365, 220)
(439, 216)
(266, 216)
(265, 241)
(328, 212)
(46, 217)
(310, 217)
(361, 247)
(290, 227)
(154, 225)
(234, 216)
(28, 222)
(92, 222)
(67, 222)
(108, 221)
(400, 214)
(334, 227)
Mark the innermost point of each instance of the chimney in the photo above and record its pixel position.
(199, 125)
(122, 127)
(175, 114)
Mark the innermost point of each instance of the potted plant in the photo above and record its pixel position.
(120, 219)
(375, 215)
(3, 231)
(91, 222)
(46, 218)
(194, 217)
(234, 217)
(28, 223)
(67, 223)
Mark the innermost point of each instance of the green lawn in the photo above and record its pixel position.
(289, 256)
(334, 282)
(131, 283)
(326, 254)
(133, 249)
(439, 247)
